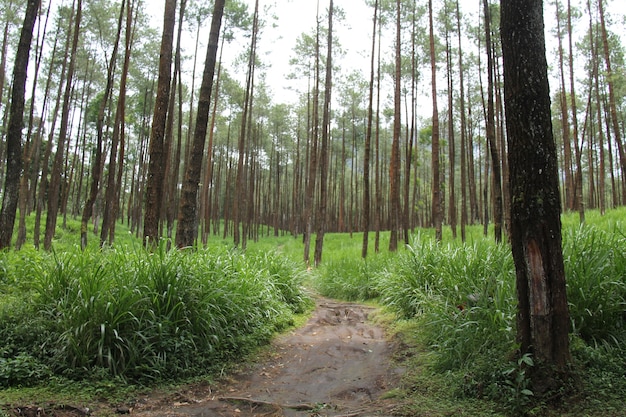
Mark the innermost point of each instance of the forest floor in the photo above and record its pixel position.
(338, 364)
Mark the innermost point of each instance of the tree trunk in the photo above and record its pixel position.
(321, 213)
(368, 142)
(108, 214)
(543, 317)
(394, 168)
(491, 131)
(15, 126)
(154, 187)
(95, 174)
(55, 176)
(437, 212)
(617, 134)
(187, 230)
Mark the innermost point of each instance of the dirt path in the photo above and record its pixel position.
(338, 364)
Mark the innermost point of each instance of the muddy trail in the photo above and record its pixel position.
(338, 364)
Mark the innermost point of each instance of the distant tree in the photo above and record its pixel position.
(543, 317)
(15, 126)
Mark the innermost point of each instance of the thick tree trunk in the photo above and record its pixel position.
(154, 187)
(187, 230)
(543, 317)
(16, 123)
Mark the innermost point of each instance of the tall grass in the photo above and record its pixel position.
(463, 296)
(144, 316)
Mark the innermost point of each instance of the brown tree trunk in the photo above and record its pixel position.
(55, 176)
(491, 131)
(577, 200)
(368, 141)
(187, 230)
(394, 165)
(543, 317)
(15, 125)
(452, 210)
(239, 202)
(108, 214)
(95, 174)
(617, 134)
(463, 150)
(321, 213)
(154, 187)
(437, 212)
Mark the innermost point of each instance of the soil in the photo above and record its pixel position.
(338, 364)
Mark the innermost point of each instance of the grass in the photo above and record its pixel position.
(120, 316)
(461, 299)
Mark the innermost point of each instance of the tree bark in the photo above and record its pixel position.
(368, 142)
(321, 213)
(55, 176)
(187, 229)
(543, 317)
(154, 187)
(491, 131)
(394, 168)
(437, 212)
(15, 126)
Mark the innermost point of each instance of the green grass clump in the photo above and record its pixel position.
(352, 278)
(138, 315)
(595, 264)
(462, 295)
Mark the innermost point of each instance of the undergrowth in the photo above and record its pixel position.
(462, 299)
(136, 315)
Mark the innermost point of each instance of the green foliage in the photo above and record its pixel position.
(595, 264)
(141, 316)
(463, 295)
(351, 278)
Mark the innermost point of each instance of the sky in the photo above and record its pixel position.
(294, 17)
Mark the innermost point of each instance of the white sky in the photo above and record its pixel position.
(295, 17)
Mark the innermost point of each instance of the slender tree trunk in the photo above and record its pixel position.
(321, 213)
(187, 230)
(437, 212)
(368, 141)
(154, 188)
(394, 169)
(239, 202)
(108, 215)
(15, 126)
(491, 131)
(617, 134)
(452, 210)
(55, 176)
(96, 172)
(543, 317)
(313, 157)
(577, 200)
(463, 150)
